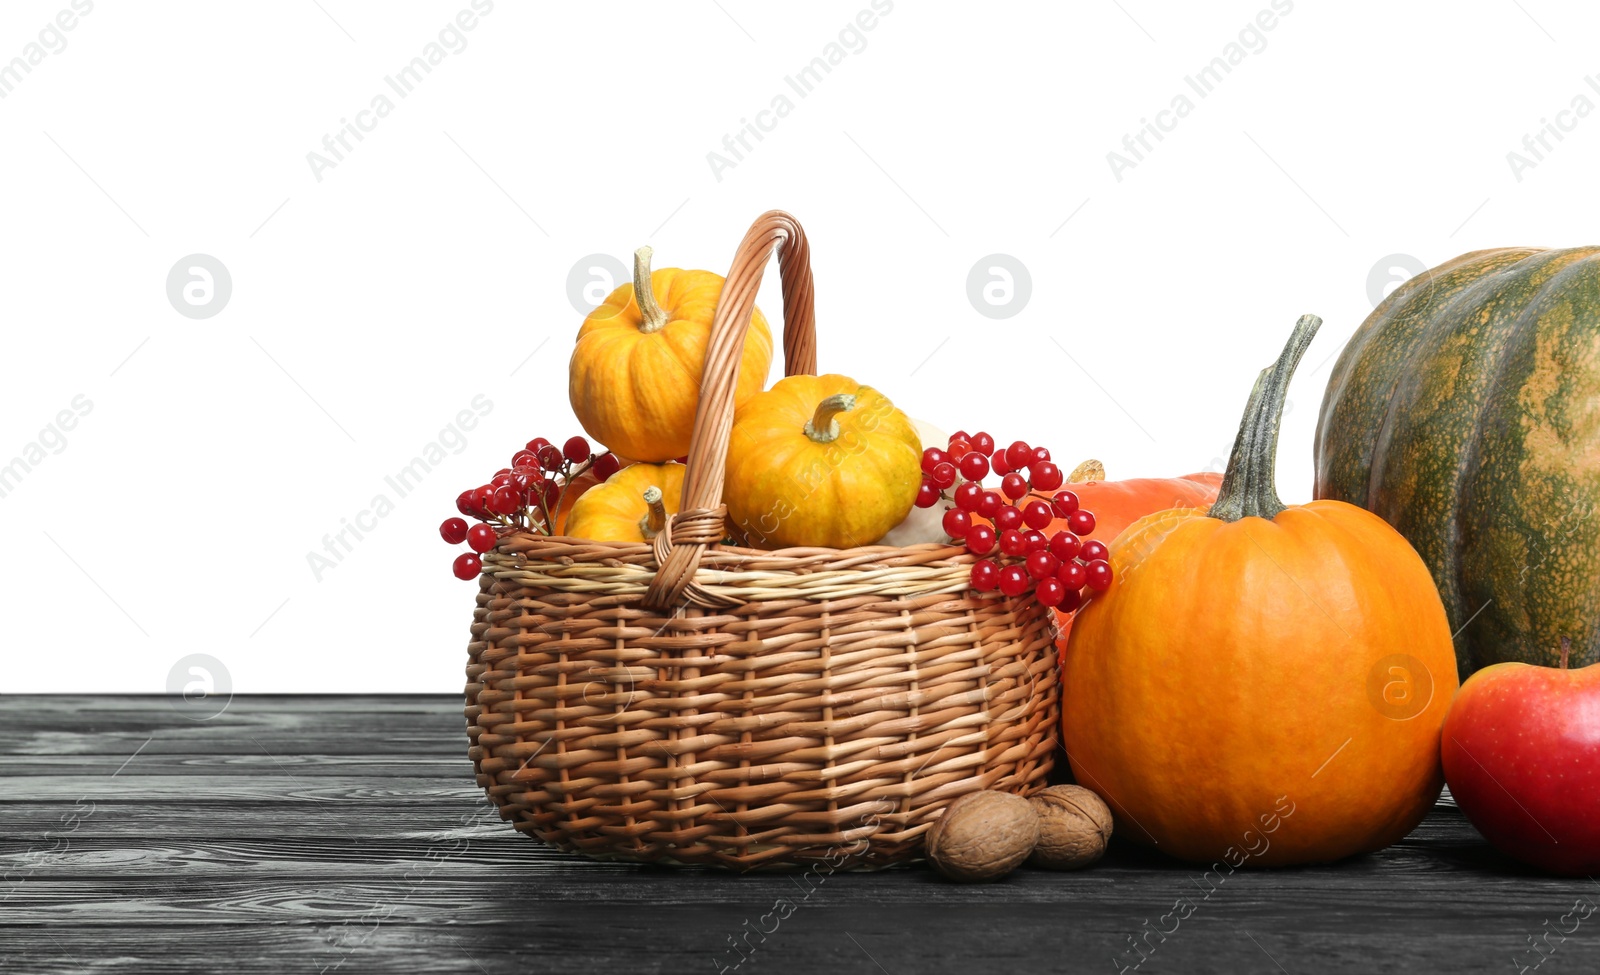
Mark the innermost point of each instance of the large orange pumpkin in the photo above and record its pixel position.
(1261, 684)
(1118, 504)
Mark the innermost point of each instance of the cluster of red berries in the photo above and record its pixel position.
(1007, 526)
(520, 497)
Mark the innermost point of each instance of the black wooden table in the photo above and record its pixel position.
(320, 834)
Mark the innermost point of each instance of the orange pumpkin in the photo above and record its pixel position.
(1118, 504)
(631, 506)
(1261, 684)
(634, 378)
(570, 493)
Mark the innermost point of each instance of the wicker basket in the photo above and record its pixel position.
(691, 702)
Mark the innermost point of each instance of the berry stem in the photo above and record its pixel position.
(656, 518)
(650, 312)
(823, 427)
(1249, 488)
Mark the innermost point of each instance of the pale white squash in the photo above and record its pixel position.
(922, 524)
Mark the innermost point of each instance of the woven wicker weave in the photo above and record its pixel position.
(697, 703)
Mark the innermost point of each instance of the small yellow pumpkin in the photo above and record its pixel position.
(634, 380)
(820, 461)
(632, 506)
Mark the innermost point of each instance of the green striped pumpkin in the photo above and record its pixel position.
(1466, 412)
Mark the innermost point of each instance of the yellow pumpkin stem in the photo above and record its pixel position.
(1249, 488)
(823, 427)
(651, 313)
(655, 519)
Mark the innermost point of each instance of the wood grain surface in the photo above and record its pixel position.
(320, 834)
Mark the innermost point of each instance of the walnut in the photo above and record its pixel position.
(1074, 827)
(983, 836)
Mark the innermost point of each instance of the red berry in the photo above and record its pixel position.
(481, 538)
(527, 482)
(453, 530)
(1065, 503)
(502, 472)
(1014, 580)
(502, 480)
(1036, 540)
(957, 450)
(505, 500)
(576, 449)
(1072, 575)
(927, 495)
(1012, 542)
(538, 490)
(990, 504)
(1019, 455)
(536, 444)
(524, 458)
(1037, 514)
(1065, 545)
(606, 465)
(974, 465)
(466, 505)
(1094, 549)
(998, 463)
(1099, 575)
(1040, 455)
(1007, 517)
(1014, 485)
(1043, 565)
(1046, 476)
(1080, 522)
(985, 575)
(960, 435)
(467, 566)
(967, 495)
(931, 458)
(550, 457)
(1050, 592)
(943, 475)
(1070, 602)
(957, 523)
(538, 487)
(980, 539)
(982, 443)
(480, 499)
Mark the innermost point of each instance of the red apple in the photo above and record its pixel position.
(1522, 756)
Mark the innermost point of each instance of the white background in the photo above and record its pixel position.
(370, 307)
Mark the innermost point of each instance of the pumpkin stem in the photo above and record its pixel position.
(1089, 470)
(1566, 651)
(655, 519)
(644, 294)
(1249, 488)
(823, 427)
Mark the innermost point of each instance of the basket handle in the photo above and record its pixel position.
(699, 522)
